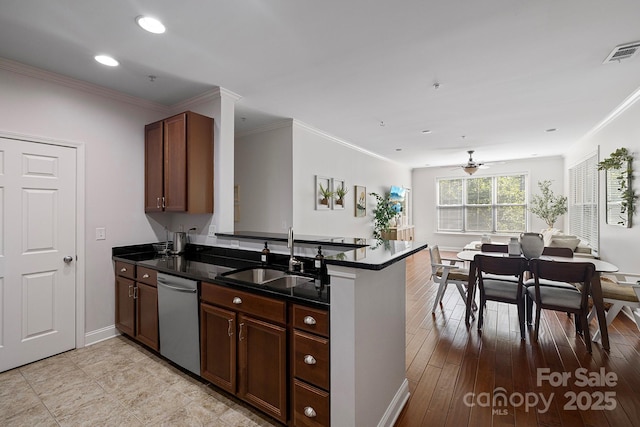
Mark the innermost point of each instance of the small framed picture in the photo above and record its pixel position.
(361, 200)
(324, 195)
(339, 193)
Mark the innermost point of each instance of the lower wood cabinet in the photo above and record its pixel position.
(137, 303)
(244, 347)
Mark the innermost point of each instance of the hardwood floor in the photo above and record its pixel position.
(459, 376)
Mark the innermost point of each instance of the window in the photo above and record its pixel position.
(485, 204)
(583, 201)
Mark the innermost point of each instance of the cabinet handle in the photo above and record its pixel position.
(135, 292)
(309, 412)
(230, 330)
(237, 301)
(240, 335)
(163, 204)
(123, 270)
(145, 276)
(130, 291)
(309, 359)
(308, 320)
(158, 202)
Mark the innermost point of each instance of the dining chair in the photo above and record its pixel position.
(443, 274)
(495, 289)
(622, 292)
(528, 282)
(567, 299)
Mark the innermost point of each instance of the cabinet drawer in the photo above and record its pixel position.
(244, 302)
(311, 358)
(311, 319)
(310, 406)
(125, 269)
(147, 275)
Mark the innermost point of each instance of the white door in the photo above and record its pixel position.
(37, 232)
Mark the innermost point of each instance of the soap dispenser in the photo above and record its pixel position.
(319, 260)
(264, 256)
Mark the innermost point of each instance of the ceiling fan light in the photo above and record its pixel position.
(470, 169)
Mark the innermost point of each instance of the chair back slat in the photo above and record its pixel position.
(571, 272)
(504, 266)
(493, 247)
(556, 251)
(434, 251)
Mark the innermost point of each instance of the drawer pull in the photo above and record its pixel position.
(309, 412)
(308, 320)
(123, 270)
(145, 276)
(237, 300)
(309, 360)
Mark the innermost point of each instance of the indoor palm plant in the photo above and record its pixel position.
(383, 213)
(547, 206)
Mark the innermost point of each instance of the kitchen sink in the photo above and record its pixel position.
(268, 277)
(256, 275)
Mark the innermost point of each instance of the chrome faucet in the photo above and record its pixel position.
(293, 262)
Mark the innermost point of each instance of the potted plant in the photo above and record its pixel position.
(326, 194)
(547, 206)
(383, 213)
(621, 169)
(340, 193)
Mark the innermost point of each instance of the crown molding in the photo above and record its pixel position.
(265, 128)
(209, 95)
(624, 106)
(37, 73)
(343, 142)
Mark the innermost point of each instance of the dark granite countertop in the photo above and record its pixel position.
(208, 263)
(368, 254)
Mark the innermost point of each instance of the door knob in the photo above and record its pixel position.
(67, 259)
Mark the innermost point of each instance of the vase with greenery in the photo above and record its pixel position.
(326, 194)
(620, 164)
(546, 205)
(383, 213)
(340, 193)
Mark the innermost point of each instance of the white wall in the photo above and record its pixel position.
(617, 244)
(424, 196)
(315, 153)
(264, 175)
(111, 127)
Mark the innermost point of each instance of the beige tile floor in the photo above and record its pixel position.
(114, 383)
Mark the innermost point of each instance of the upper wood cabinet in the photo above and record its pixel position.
(179, 164)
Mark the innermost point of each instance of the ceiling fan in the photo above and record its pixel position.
(472, 166)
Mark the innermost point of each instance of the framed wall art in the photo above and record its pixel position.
(339, 192)
(324, 195)
(361, 201)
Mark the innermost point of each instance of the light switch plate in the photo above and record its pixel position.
(101, 233)
(212, 231)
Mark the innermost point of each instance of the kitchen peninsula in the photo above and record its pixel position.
(364, 297)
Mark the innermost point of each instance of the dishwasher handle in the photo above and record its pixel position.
(176, 288)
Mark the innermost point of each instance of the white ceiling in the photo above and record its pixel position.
(508, 70)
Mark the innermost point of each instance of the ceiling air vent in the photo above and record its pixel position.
(624, 51)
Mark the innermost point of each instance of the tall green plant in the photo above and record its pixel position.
(620, 161)
(382, 214)
(547, 206)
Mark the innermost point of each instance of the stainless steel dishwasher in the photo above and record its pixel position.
(178, 321)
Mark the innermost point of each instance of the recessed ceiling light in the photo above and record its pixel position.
(426, 131)
(398, 149)
(150, 24)
(107, 60)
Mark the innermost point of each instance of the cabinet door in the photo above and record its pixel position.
(153, 167)
(147, 315)
(262, 350)
(218, 346)
(175, 163)
(125, 306)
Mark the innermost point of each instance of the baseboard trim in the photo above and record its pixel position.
(98, 335)
(395, 407)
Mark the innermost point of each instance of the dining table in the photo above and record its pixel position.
(596, 287)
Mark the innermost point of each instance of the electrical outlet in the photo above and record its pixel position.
(181, 227)
(101, 233)
(212, 231)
